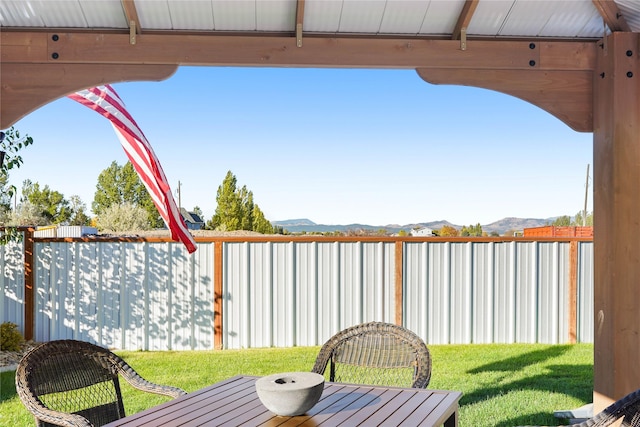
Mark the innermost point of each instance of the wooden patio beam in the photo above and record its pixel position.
(62, 62)
(266, 51)
(568, 95)
(28, 86)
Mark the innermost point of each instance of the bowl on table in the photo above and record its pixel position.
(290, 393)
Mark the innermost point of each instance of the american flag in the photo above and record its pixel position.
(105, 101)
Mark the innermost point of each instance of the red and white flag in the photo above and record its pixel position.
(105, 101)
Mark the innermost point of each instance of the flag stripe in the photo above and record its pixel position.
(106, 102)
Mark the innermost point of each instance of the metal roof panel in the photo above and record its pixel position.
(234, 15)
(441, 17)
(630, 9)
(403, 17)
(191, 15)
(361, 16)
(322, 16)
(276, 15)
(489, 17)
(154, 15)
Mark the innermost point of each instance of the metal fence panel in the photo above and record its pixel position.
(328, 289)
(142, 295)
(526, 293)
(461, 291)
(308, 298)
(585, 327)
(504, 299)
(12, 284)
(482, 312)
(550, 287)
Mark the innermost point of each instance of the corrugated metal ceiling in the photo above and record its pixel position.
(422, 18)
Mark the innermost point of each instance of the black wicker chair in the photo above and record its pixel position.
(627, 408)
(376, 353)
(75, 383)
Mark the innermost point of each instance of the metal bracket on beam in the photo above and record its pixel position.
(463, 38)
(132, 32)
(299, 35)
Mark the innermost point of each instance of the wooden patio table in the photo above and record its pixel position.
(234, 402)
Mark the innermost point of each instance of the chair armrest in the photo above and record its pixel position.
(41, 412)
(45, 414)
(136, 381)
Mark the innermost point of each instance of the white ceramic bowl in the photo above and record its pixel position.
(290, 393)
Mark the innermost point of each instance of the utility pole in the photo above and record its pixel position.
(180, 196)
(586, 194)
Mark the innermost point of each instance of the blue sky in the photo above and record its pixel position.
(336, 146)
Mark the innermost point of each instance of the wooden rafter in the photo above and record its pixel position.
(299, 22)
(131, 12)
(612, 16)
(464, 19)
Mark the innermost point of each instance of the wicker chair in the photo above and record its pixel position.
(627, 408)
(75, 383)
(376, 354)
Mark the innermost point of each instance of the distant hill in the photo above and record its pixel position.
(501, 226)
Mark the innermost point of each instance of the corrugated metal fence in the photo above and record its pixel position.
(263, 292)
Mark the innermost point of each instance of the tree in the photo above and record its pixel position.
(228, 214)
(78, 212)
(562, 221)
(236, 209)
(118, 185)
(260, 223)
(472, 230)
(578, 219)
(448, 231)
(27, 214)
(11, 142)
(50, 204)
(123, 217)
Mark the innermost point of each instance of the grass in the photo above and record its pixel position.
(502, 384)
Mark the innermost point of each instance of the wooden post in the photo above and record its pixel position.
(399, 279)
(217, 295)
(616, 152)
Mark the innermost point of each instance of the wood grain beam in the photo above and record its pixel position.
(566, 95)
(230, 50)
(616, 156)
(26, 87)
(464, 19)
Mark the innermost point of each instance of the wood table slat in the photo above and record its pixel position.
(234, 402)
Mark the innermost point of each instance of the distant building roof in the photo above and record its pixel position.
(424, 231)
(193, 220)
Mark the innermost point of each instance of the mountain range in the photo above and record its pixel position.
(500, 227)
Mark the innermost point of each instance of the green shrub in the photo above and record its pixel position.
(10, 337)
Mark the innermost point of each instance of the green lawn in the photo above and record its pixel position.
(502, 385)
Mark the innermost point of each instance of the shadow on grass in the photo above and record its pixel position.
(7, 385)
(570, 379)
(523, 360)
(565, 379)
